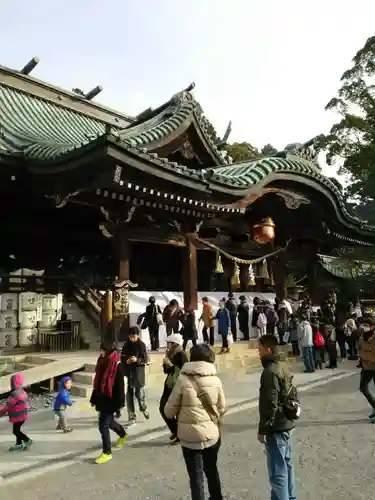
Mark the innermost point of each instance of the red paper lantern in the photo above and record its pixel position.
(264, 232)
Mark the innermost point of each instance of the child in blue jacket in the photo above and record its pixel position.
(61, 402)
(223, 325)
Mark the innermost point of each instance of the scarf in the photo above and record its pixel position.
(105, 372)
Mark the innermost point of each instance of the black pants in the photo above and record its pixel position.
(198, 464)
(171, 422)
(352, 343)
(233, 327)
(20, 436)
(211, 339)
(281, 329)
(319, 356)
(154, 337)
(295, 348)
(171, 329)
(244, 327)
(106, 422)
(332, 353)
(194, 341)
(341, 340)
(224, 340)
(367, 377)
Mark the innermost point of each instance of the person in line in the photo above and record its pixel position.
(134, 359)
(319, 346)
(283, 320)
(207, 317)
(330, 340)
(293, 337)
(108, 397)
(272, 317)
(198, 403)
(223, 325)
(255, 314)
(172, 315)
(275, 428)
(261, 321)
(341, 336)
(305, 340)
(367, 357)
(243, 317)
(174, 360)
(63, 400)
(189, 328)
(17, 409)
(351, 337)
(153, 318)
(231, 306)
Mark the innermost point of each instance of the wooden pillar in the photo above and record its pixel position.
(122, 319)
(279, 275)
(124, 258)
(190, 275)
(244, 278)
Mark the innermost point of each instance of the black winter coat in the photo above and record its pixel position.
(104, 403)
(135, 372)
(189, 328)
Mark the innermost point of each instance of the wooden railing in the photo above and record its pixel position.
(66, 338)
(89, 299)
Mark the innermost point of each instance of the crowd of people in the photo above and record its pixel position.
(192, 403)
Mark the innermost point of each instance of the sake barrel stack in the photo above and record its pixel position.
(29, 313)
(51, 310)
(8, 320)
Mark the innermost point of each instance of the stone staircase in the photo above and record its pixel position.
(89, 330)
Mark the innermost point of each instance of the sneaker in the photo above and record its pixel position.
(372, 420)
(146, 414)
(27, 445)
(372, 415)
(175, 440)
(67, 430)
(121, 441)
(104, 458)
(16, 447)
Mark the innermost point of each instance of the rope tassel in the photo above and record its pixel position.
(236, 275)
(251, 276)
(219, 266)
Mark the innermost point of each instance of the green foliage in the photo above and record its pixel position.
(352, 138)
(242, 151)
(268, 150)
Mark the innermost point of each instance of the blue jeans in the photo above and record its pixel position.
(280, 466)
(308, 358)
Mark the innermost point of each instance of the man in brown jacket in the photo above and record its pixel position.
(367, 357)
(208, 322)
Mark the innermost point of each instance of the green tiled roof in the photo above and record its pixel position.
(40, 130)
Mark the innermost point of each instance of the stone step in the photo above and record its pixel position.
(38, 360)
(83, 378)
(82, 390)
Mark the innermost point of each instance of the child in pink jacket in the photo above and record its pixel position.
(17, 408)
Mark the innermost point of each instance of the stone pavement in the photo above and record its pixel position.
(333, 457)
(53, 450)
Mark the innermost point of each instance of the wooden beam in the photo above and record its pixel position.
(190, 276)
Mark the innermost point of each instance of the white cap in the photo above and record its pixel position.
(176, 338)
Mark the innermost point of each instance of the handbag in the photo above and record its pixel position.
(206, 403)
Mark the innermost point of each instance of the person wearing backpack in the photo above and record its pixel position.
(278, 410)
(319, 346)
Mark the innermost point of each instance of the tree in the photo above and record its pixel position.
(268, 150)
(352, 138)
(242, 151)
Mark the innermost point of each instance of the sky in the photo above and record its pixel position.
(270, 66)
